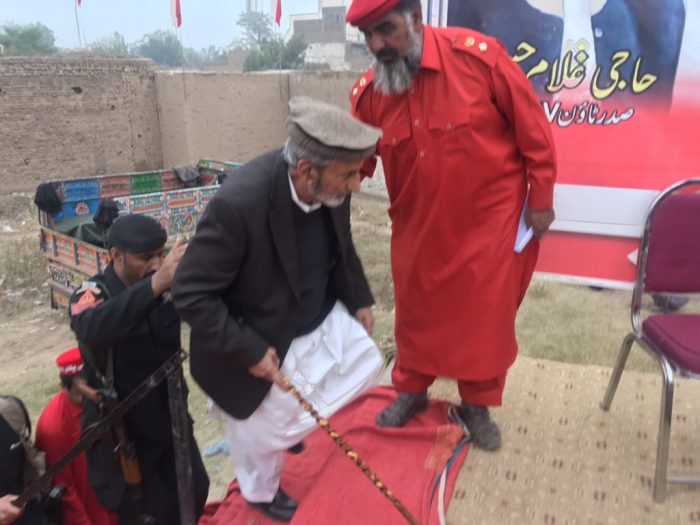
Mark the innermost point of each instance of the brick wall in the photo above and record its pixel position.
(235, 116)
(229, 116)
(65, 117)
(70, 118)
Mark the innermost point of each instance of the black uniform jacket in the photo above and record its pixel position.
(142, 332)
(238, 282)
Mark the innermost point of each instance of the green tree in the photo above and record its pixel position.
(293, 53)
(29, 39)
(207, 55)
(257, 28)
(193, 58)
(277, 54)
(267, 50)
(163, 47)
(114, 45)
(212, 55)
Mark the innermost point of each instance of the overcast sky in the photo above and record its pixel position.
(204, 22)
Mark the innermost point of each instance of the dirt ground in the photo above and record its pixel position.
(559, 322)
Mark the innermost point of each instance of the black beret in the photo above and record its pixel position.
(136, 234)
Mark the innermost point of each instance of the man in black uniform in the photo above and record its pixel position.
(122, 316)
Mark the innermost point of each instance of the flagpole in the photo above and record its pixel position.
(278, 20)
(182, 58)
(176, 15)
(77, 23)
(279, 50)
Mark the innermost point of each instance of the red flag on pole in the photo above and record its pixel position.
(175, 12)
(79, 3)
(278, 14)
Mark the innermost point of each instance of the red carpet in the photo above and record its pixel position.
(331, 489)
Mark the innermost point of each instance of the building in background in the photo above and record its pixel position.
(333, 44)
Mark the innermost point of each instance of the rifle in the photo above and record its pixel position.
(180, 423)
(91, 434)
(106, 399)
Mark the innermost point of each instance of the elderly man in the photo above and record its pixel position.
(464, 137)
(57, 431)
(126, 328)
(271, 279)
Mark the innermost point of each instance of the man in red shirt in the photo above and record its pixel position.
(464, 141)
(57, 431)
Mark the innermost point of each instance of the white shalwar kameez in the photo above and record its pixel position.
(330, 366)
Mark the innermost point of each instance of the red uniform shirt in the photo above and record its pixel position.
(459, 150)
(57, 430)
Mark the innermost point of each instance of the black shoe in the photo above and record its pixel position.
(297, 449)
(485, 433)
(281, 508)
(402, 409)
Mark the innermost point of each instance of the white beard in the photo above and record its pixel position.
(332, 202)
(394, 78)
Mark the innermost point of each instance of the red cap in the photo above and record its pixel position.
(70, 363)
(364, 13)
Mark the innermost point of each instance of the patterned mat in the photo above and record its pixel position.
(565, 461)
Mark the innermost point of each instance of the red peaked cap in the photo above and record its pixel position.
(364, 13)
(70, 363)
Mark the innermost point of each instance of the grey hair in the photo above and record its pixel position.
(293, 153)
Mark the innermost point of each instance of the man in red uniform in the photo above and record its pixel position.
(57, 431)
(464, 140)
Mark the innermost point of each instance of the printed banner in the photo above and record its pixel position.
(619, 83)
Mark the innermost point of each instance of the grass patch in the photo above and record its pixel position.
(556, 321)
(23, 274)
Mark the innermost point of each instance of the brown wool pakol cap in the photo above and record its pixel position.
(328, 131)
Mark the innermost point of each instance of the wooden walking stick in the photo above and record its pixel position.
(285, 384)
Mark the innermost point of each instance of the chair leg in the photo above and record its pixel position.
(617, 371)
(661, 475)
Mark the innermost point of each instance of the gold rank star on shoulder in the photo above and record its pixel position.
(470, 41)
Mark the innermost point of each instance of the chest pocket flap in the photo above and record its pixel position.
(448, 121)
(395, 133)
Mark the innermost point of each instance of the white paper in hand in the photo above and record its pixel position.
(524, 234)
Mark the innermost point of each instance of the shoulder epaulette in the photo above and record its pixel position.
(360, 86)
(484, 48)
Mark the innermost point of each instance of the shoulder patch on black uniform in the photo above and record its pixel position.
(88, 295)
(359, 88)
(480, 46)
(91, 286)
